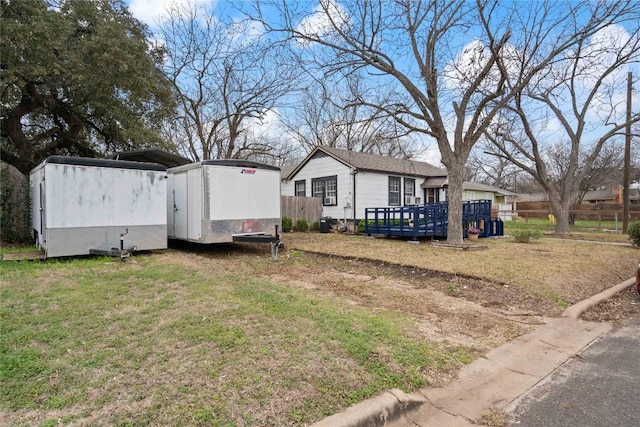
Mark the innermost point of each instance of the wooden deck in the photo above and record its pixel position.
(430, 221)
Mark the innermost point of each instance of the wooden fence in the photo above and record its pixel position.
(307, 208)
(587, 211)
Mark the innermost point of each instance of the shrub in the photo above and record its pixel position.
(361, 224)
(634, 233)
(302, 225)
(315, 226)
(15, 205)
(524, 235)
(287, 224)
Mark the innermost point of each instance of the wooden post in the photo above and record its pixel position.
(600, 220)
(627, 159)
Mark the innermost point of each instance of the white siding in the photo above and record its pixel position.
(287, 188)
(468, 195)
(322, 167)
(372, 188)
(372, 191)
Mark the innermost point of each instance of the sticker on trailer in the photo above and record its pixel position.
(248, 171)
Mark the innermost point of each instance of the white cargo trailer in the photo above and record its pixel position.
(84, 206)
(224, 201)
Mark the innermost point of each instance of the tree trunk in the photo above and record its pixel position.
(454, 198)
(561, 212)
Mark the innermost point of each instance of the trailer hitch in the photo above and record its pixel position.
(123, 253)
(115, 252)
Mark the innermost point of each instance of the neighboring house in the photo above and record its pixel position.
(610, 195)
(502, 201)
(348, 182)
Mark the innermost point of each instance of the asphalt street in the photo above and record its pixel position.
(600, 386)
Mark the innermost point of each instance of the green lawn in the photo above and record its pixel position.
(175, 339)
(226, 337)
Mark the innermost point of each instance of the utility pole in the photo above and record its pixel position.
(627, 159)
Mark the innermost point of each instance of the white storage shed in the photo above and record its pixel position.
(224, 201)
(84, 206)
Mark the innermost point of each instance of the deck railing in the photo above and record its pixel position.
(430, 220)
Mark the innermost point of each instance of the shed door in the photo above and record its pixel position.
(42, 214)
(194, 200)
(180, 208)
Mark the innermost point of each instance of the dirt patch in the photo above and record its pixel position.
(623, 305)
(501, 297)
(447, 308)
(560, 272)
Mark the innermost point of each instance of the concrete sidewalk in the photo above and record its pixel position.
(488, 384)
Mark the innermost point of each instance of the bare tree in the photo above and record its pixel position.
(454, 64)
(485, 167)
(576, 104)
(330, 115)
(226, 76)
(282, 149)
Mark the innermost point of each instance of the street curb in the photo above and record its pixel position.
(577, 309)
(376, 411)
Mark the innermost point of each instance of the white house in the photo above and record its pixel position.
(348, 182)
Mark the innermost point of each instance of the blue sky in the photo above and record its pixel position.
(149, 11)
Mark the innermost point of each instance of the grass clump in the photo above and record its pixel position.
(525, 235)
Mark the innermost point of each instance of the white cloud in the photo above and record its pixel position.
(150, 11)
(469, 63)
(600, 53)
(243, 33)
(321, 22)
(269, 126)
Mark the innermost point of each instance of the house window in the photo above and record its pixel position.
(394, 191)
(432, 195)
(301, 188)
(410, 191)
(327, 189)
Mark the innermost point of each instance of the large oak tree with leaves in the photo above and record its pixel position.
(78, 78)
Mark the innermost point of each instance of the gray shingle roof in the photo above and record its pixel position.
(596, 195)
(377, 163)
